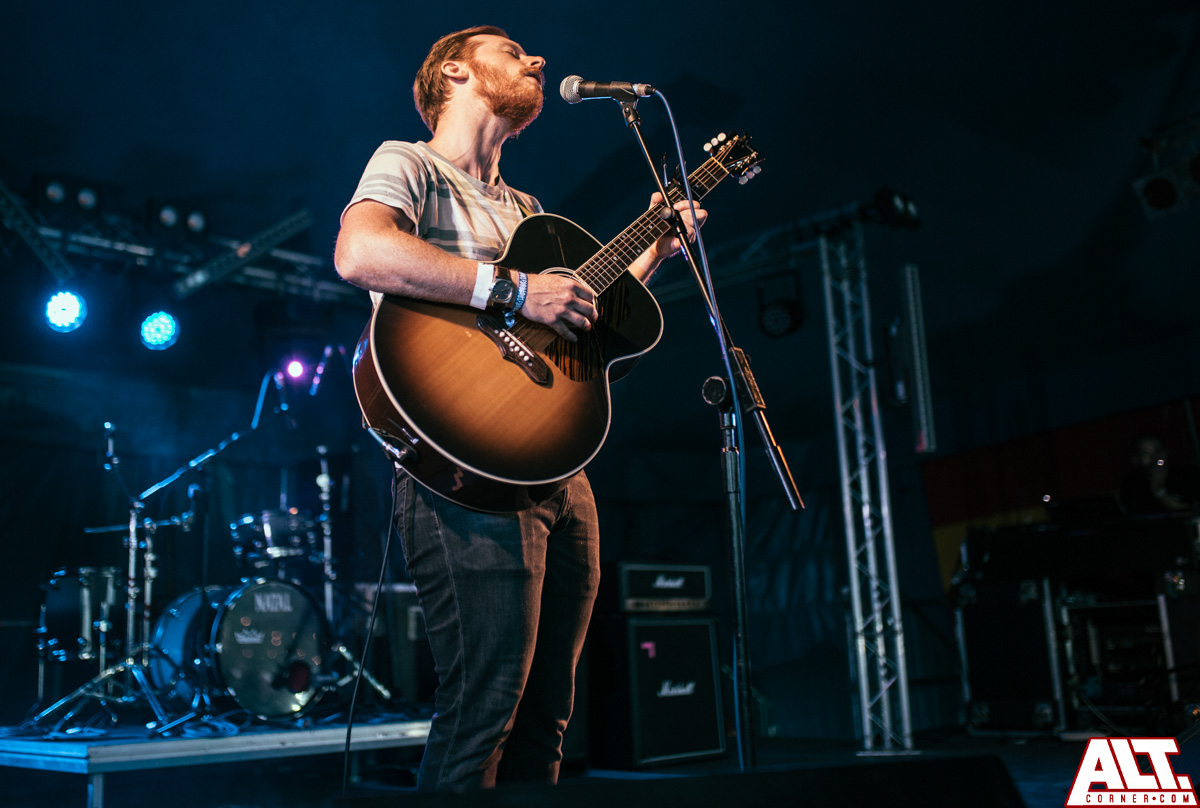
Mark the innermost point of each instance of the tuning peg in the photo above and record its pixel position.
(708, 147)
(756, 171)
(721, 138)
(743, 180)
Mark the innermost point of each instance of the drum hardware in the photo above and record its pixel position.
(355, 667)
(325, 483)
(127, 683)
(75, 623)
(263, 645)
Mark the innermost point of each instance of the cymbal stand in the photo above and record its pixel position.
(125, 683)
(130, 675)
(325, 483)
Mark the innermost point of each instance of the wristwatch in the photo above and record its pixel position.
(502, 290)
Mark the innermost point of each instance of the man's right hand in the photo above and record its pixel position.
(561, 302)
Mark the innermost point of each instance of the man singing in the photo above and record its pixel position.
(507, 597)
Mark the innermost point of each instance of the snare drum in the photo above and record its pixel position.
(262, 643)
(78, 612)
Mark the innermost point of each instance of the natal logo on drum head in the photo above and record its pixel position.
(272, 602)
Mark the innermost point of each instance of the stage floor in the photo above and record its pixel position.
(191, 759)
(302, 768)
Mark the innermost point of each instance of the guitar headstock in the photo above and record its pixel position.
(736, 155)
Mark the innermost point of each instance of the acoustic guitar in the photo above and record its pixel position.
(497, 418)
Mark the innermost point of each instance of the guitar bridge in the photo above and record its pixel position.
(515, 350)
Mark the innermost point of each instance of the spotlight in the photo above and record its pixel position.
(896, 210)
(65, 311)
(1160, 193)
(86, 198)
(295, 369)
(159, 331)
(1163, 192)
(780, 305)
(52, 192)
(55, 192)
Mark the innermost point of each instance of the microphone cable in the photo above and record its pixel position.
(715, 314)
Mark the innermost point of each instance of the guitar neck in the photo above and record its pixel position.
(603, 268)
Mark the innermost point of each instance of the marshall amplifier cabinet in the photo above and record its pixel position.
(661, 588)
(656, 682)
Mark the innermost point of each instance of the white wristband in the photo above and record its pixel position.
(483, 286)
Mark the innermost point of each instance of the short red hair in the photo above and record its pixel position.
(431, 90)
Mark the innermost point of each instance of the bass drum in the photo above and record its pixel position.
(263, 643)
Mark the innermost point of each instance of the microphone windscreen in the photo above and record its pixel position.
(569, 89)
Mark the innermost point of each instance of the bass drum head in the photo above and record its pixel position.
(270, 641)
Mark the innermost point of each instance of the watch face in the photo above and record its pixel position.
(503, 290)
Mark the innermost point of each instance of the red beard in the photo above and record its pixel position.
(515, 100)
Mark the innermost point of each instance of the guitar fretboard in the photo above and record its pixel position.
(603, 268)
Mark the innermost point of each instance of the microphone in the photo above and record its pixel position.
(574, 89)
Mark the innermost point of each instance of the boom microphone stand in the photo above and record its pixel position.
(743, 386)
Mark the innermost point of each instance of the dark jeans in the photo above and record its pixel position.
(507, 600)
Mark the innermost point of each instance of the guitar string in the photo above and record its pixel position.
(631, 242)
(647, 227)
(635, 240)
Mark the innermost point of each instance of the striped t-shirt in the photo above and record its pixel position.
(448, 207)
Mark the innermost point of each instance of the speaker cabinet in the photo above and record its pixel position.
(656, 682)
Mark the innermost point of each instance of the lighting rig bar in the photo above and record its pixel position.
(241, 256)
(17, 219)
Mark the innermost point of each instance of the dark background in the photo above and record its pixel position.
(1052, 303)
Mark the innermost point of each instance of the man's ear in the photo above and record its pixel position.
(455, 70)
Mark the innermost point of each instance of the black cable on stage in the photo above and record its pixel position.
(362, 664)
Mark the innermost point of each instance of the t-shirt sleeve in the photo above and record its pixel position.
(396, 175)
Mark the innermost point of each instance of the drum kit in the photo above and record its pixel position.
(263, 646)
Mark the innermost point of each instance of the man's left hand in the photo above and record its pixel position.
(669, 245)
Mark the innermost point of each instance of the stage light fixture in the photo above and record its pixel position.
(1173, 181)
(55, 192)
(896, 209)
(197, 222)
(65, 311)
(295, 369)
(780, 304)
(86, 198)
(159, 331)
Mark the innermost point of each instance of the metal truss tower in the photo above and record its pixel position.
(877, 630)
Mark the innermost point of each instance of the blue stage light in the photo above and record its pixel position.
(65, 311)
(159, 331)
